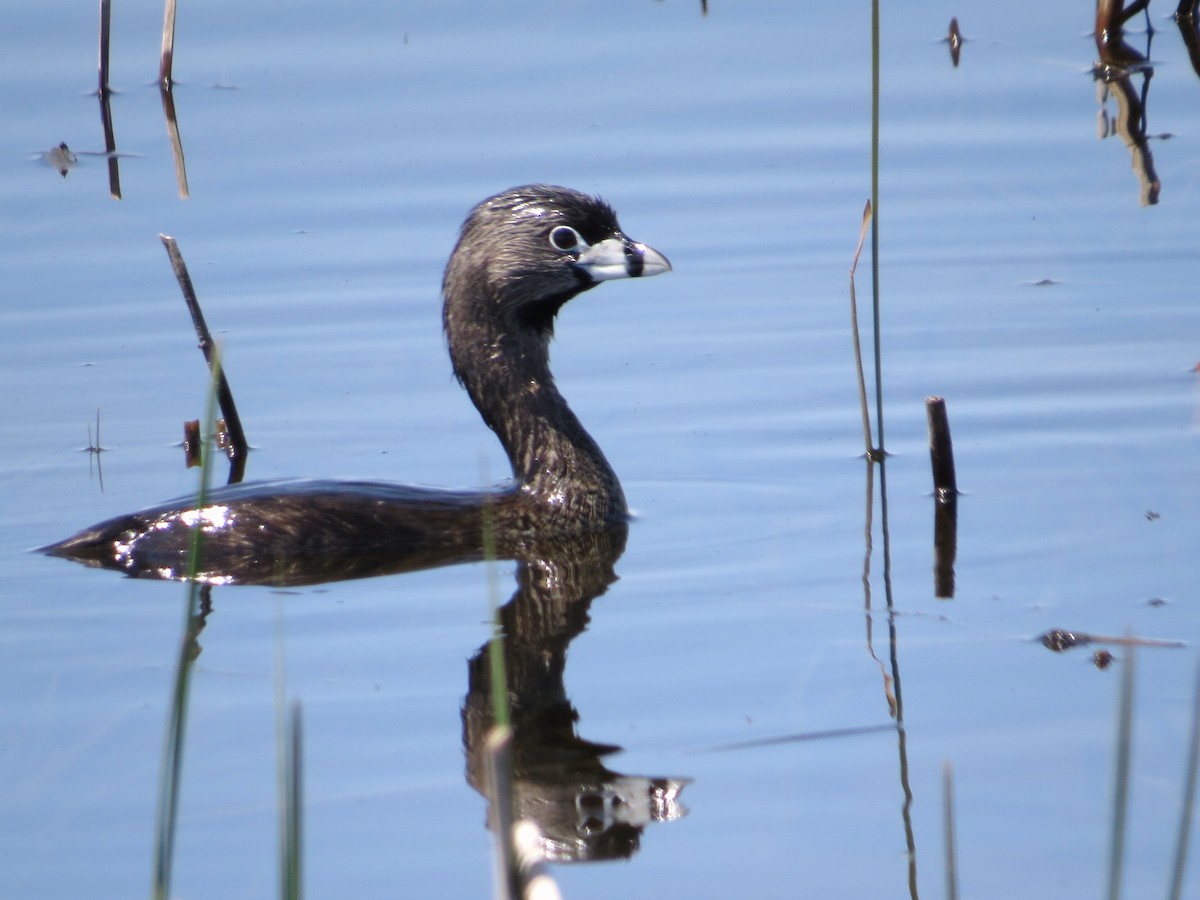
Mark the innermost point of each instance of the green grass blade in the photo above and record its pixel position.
(1124, 754)
(293, 806)
(171, 770)
(1189, 798)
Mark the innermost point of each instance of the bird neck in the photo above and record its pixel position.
(555, 462)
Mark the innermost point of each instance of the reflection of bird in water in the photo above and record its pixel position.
(583, 809)
(520, 256)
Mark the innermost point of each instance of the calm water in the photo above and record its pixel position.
(330, 158)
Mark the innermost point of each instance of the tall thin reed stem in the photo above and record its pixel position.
(875, 42)
(291, 870)
(1189, 798)
(1124, 755)
(170, 773)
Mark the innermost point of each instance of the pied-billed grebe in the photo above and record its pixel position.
(520, 256)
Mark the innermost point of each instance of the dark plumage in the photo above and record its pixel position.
(520, 256)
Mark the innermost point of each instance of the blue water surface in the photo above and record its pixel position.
(331, 155)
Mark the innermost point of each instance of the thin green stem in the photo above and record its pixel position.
(1189, 798)
(170, 773)
(1124, 757)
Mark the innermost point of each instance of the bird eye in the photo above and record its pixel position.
(566, 239)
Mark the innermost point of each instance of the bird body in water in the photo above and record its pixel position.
(520, 256)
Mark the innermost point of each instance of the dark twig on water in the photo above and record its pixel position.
(110, 147)
(238, 447)
(955, 39)
(941, 449)
(945, 546)
(945, 492)
(192, 443)
(110, 139)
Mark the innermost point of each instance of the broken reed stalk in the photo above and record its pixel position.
(945, 492)
(167, 61)
(945, 546)
(110, 146)
(858, 364)
(168, 102)
(110, 140)
(105, 23)
(941, 449)
(238, 447)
